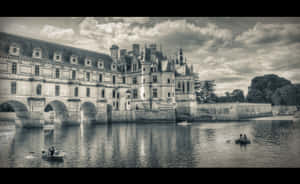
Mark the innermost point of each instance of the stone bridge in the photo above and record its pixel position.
(32, 111)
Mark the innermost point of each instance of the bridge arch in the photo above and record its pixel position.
(60, 110)
(19, 108)
(88, 112)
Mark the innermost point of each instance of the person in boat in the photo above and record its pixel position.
(241, 137)
(52, 150)
(245, 137)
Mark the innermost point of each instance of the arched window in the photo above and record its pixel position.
(39, 89)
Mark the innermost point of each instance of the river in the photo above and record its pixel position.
(275, 143)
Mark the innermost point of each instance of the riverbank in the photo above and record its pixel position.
(281, 118)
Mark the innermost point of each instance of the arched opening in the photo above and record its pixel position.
(88, 112)
(56, 112)
(14, 111)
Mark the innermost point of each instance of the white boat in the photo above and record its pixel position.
(48, 127)
(183, 123)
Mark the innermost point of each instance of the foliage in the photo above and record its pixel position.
(236, 95)
(273, 89)
(205, 91)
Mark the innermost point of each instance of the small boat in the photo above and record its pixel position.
(48, 127)
(57, 156)
(183, 123)
(242, 141)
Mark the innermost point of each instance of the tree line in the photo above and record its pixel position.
(263, 89)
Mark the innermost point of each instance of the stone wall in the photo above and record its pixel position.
(283, 110)
(155, 116)
(228, 111)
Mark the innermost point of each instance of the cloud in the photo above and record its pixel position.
(56, 33)
(169, 33)
(139, 20)
(270, 33)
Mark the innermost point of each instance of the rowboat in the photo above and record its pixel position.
(57, 156)
(183, 123)
(242, 141)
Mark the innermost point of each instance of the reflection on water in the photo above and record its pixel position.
(274, 144)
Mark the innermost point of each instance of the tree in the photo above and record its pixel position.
(255, 96)
(263, 87)
(205, 91)
(286, 95)
(238, 95)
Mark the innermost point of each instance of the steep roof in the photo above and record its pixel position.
(28, 44)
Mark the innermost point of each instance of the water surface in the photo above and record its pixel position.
(274, 144)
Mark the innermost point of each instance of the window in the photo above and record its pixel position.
(100, 77)
(88, 76)
(57, 57)
(73, 75)
(188, 86)
(56, 90)
(114, 94)
(178, 86)
(183, 87)
(114, 79)
(13, 88)
(88, 92)
(124, 80)
(135, 93)
(144, 69)
(154, 78)
(14, 68)
(118, 95)
(57, 73)
(134, 67)
(169, 94)
(37, 54)
(76, 91)
(154, 93)
(39, 89)
(14, 50)
(103, 93)
(134, 80)
(169, 81)
(37, 70)
(117, 106)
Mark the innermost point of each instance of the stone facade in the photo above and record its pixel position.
(80, 85)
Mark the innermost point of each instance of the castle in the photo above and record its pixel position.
(126, 85)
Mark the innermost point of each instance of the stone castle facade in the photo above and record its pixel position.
(78, 84)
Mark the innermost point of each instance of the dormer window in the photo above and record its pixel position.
(14, 49)
(57, 56)
(100, 64)
(74, 59)
(113, 67)
(88, 62)
(37, 53)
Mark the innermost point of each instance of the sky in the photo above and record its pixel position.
(229, 50)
